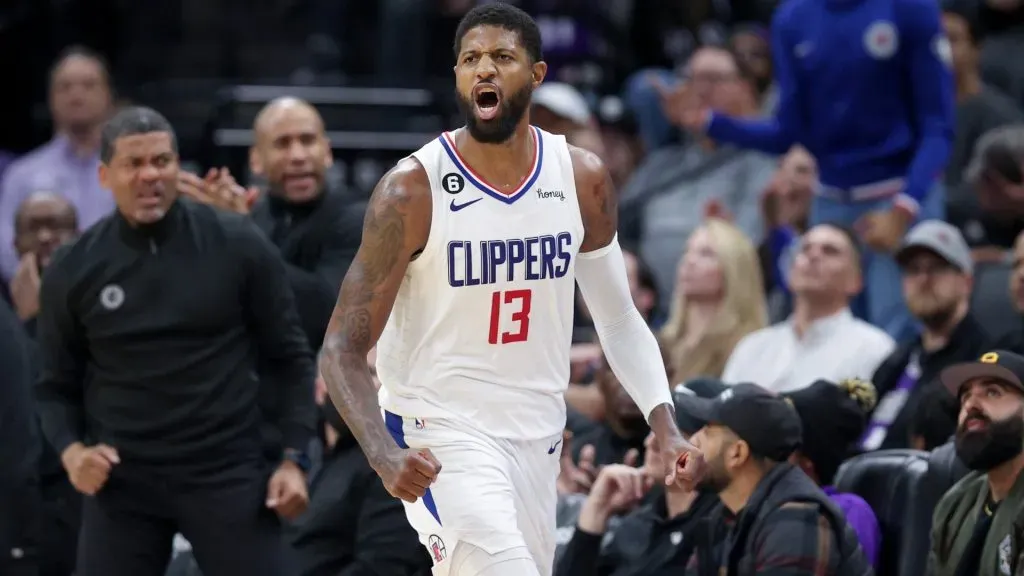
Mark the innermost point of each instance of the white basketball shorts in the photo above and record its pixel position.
(493, 493)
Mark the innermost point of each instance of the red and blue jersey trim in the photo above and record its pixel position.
(478, 181)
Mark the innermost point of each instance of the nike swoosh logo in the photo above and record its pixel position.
(456, 207)
(554, 447)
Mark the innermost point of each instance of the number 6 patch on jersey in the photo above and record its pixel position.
(453, 182)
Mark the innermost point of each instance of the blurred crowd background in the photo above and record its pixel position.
(723, 258)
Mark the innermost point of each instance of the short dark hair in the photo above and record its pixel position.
(81, 51)
(851, 237)
(935, 417)
(506, 17)
(129, 122)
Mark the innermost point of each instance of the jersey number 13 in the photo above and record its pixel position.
(516, 304)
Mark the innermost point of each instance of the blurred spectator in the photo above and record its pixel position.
(622, 145)
(316, 229)
(658, 525)
(996, 175)
(664, 201)
(43, 223)
(821, 339)
(879, 150)
(833, 417)
(980, 108)
(717, 301)
(974, 527)
(162, 311)
(19, 496)
(751, 45)
(938, 277)
(621, 433)
(785, 207)
(1002, 23)
(352, 527)
(1017, 275)
(932, 419)
(559, 108)
(778, 518)
(80, 102)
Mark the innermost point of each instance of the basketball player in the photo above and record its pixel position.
(466, 274)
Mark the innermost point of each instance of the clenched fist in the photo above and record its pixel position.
(88, 467)
(408, 473)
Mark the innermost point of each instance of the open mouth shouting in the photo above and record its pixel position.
(486, 100)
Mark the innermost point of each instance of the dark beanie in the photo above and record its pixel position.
(833, 417)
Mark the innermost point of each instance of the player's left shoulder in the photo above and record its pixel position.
(588, 169)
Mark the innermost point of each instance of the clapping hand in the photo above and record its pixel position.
(25, 287)
(219, 189)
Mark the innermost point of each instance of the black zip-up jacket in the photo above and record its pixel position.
(150, 338)
(789, 527)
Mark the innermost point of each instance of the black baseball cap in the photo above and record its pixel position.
(999, 364)
(765, 421)
(700, 388)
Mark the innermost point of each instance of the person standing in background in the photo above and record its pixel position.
(80, 102)
(316, 229)
(867, 88)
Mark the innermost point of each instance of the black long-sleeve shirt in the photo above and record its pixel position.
(150, 337)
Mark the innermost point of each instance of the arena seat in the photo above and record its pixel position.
(893, 482)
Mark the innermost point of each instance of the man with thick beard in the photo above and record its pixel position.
(470, 254)
(937, 275)
(973, 530)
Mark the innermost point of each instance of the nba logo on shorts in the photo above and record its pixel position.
(436, 548)
(419, 424)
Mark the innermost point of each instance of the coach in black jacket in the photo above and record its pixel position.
(150, 330)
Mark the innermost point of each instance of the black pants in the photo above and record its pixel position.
(128, 528)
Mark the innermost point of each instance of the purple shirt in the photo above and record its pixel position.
(862, 519)
(55, 168)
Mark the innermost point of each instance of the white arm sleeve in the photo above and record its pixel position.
(629, 345)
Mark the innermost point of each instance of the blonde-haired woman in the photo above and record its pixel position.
(718, 300)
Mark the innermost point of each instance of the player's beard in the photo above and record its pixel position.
(501, 128)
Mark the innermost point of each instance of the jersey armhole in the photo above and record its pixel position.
(569, 176)
(436, 216)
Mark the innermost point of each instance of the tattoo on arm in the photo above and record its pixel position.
(599, 204)
(364, 304)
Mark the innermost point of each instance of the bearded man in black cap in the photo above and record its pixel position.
(973, 529)
(779, 517)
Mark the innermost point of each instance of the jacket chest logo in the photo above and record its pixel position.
(111, 297)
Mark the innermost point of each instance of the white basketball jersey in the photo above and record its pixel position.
(482, 324)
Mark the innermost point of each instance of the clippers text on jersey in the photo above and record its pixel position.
(496, 261)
